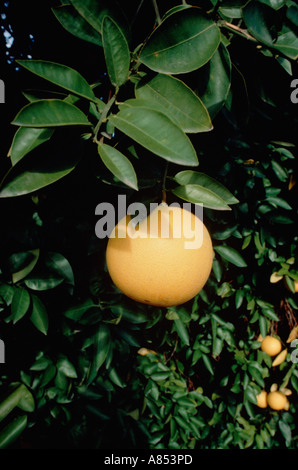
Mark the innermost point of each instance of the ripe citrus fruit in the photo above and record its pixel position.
(160, 262)
(262, 399)
(277, 400)
(271, 345)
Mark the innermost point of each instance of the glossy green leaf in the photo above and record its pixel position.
(58, 264)
(118, 164)
(75, 24)
(217, 76)
(196, 177)
(32, 173)
(183, 42)
(286, 431)
(145, 103)
(25, 140)
(256, 375)
(67, 368)
(154, 131)
(101, 341)
(76, 312)
(256, 17)
(197, 194)
(208, 364)
(182, 331)
(39, 315)
(231, 255)
(287, 44)
(45, 282)
(24, 270)
(116, 52)
(61, 75)
(275, 4)
(115, 378)
(292, 14)
(12, 431)
(18, 397)
(174, 10)
(50, 113)
(179, 101)
(94, 11)
(20, 304)
(26, 402)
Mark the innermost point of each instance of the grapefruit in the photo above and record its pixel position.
(271, 345)
(160, 262)
(277, 400)
(262, 399)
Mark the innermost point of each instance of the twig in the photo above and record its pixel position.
(237, 30)
(158, 18)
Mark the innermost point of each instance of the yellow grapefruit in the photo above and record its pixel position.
(277, 400)
(262, 399)
(271, 345)
(159, 262)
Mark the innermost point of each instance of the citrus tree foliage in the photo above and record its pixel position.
(197, 109)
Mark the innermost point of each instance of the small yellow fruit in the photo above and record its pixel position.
(280, 358)
(166, 269)
(145, 351)
(262, 399)
(293, 334)
(271, 345)
(277, 400)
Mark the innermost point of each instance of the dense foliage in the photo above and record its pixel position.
(86, 367)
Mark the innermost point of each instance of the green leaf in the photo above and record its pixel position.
(34, 173)
(101, 341)
(256, 17)
(178, 100)
(186, 177)
(25, 140)
(24, 270)
(75, 24)
(60, 265)
(154, 131)
(18, 397)
(20, 304)
(217, 76)
(50, 113)
(287, 44)
(292, 14)
(286, 431)
(230, 255)
(257, 375)
(67, 368)
(199, 195)
(26, 402)
(183, 42)
(182, 331)
(39, 315)
(275, 4)
(115, 378)
(76, 312)
(116, 52)
(118, 164)
(12, 431)
(46, 282)
(94, 12)
(61, 75)
(208, 365)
